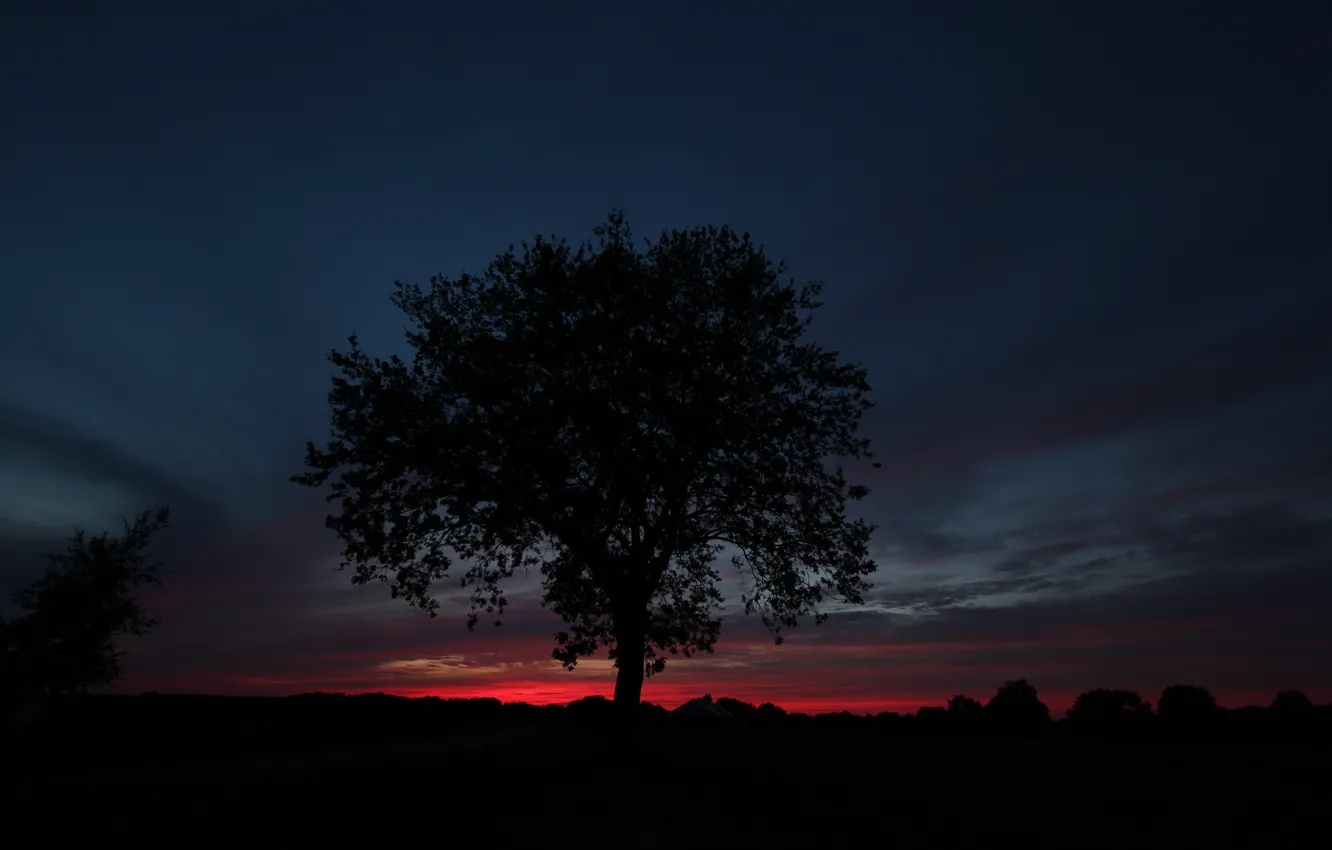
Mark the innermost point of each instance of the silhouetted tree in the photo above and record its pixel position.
(1183, 706)
(769, 717)
(965, 715)
(589, 711)
(1291, 701)
(1106, 705)
(1293, 716)
(65, 639)
(1188, 710)
(933, 720)
(615, 417)
(1016, 707)
(961, 705)
(1109, 712)
(739, 709)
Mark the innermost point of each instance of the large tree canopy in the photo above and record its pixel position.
(615, 418)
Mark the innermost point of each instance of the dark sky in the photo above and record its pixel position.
(1087, 261)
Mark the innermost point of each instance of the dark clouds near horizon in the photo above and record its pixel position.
(1085, 256)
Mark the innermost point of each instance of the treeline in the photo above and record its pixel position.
(1184, 714)
(156, 728)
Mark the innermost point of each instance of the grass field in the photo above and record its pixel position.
(563, 788)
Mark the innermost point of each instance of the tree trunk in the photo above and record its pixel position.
(629, 649)
(625, 756)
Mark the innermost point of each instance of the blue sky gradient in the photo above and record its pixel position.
(1084, 255)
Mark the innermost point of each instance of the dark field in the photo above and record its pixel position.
(560, 787)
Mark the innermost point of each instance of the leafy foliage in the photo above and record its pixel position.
(1107, 705)
(739, 709)
(1292, 700)
(1186, 703)
(614, 418)
(1017, 703)
(960, 704)
(65, 639)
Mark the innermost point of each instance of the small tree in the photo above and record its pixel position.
(616, 418)
(65, 640)
(1016, 706)
(1186, 704)
(1292, 713)
(1291, 701)
(1106, 705)
(739, 709)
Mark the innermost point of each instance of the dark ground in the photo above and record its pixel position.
(558, 787)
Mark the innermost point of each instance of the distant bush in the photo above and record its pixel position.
(1187, 708)
(1015, 709)
(589, 712)
(1292, 701)
(744, 712)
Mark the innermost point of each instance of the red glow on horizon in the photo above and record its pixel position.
(541, 694)
(814, 678)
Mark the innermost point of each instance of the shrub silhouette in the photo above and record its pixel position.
(1109, 712)
(1186, 705)
(768, 717)
(966, 716)
(742, 711)
(1107, 705)
(1291, 701)
(1016, 708)
(591, 712)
